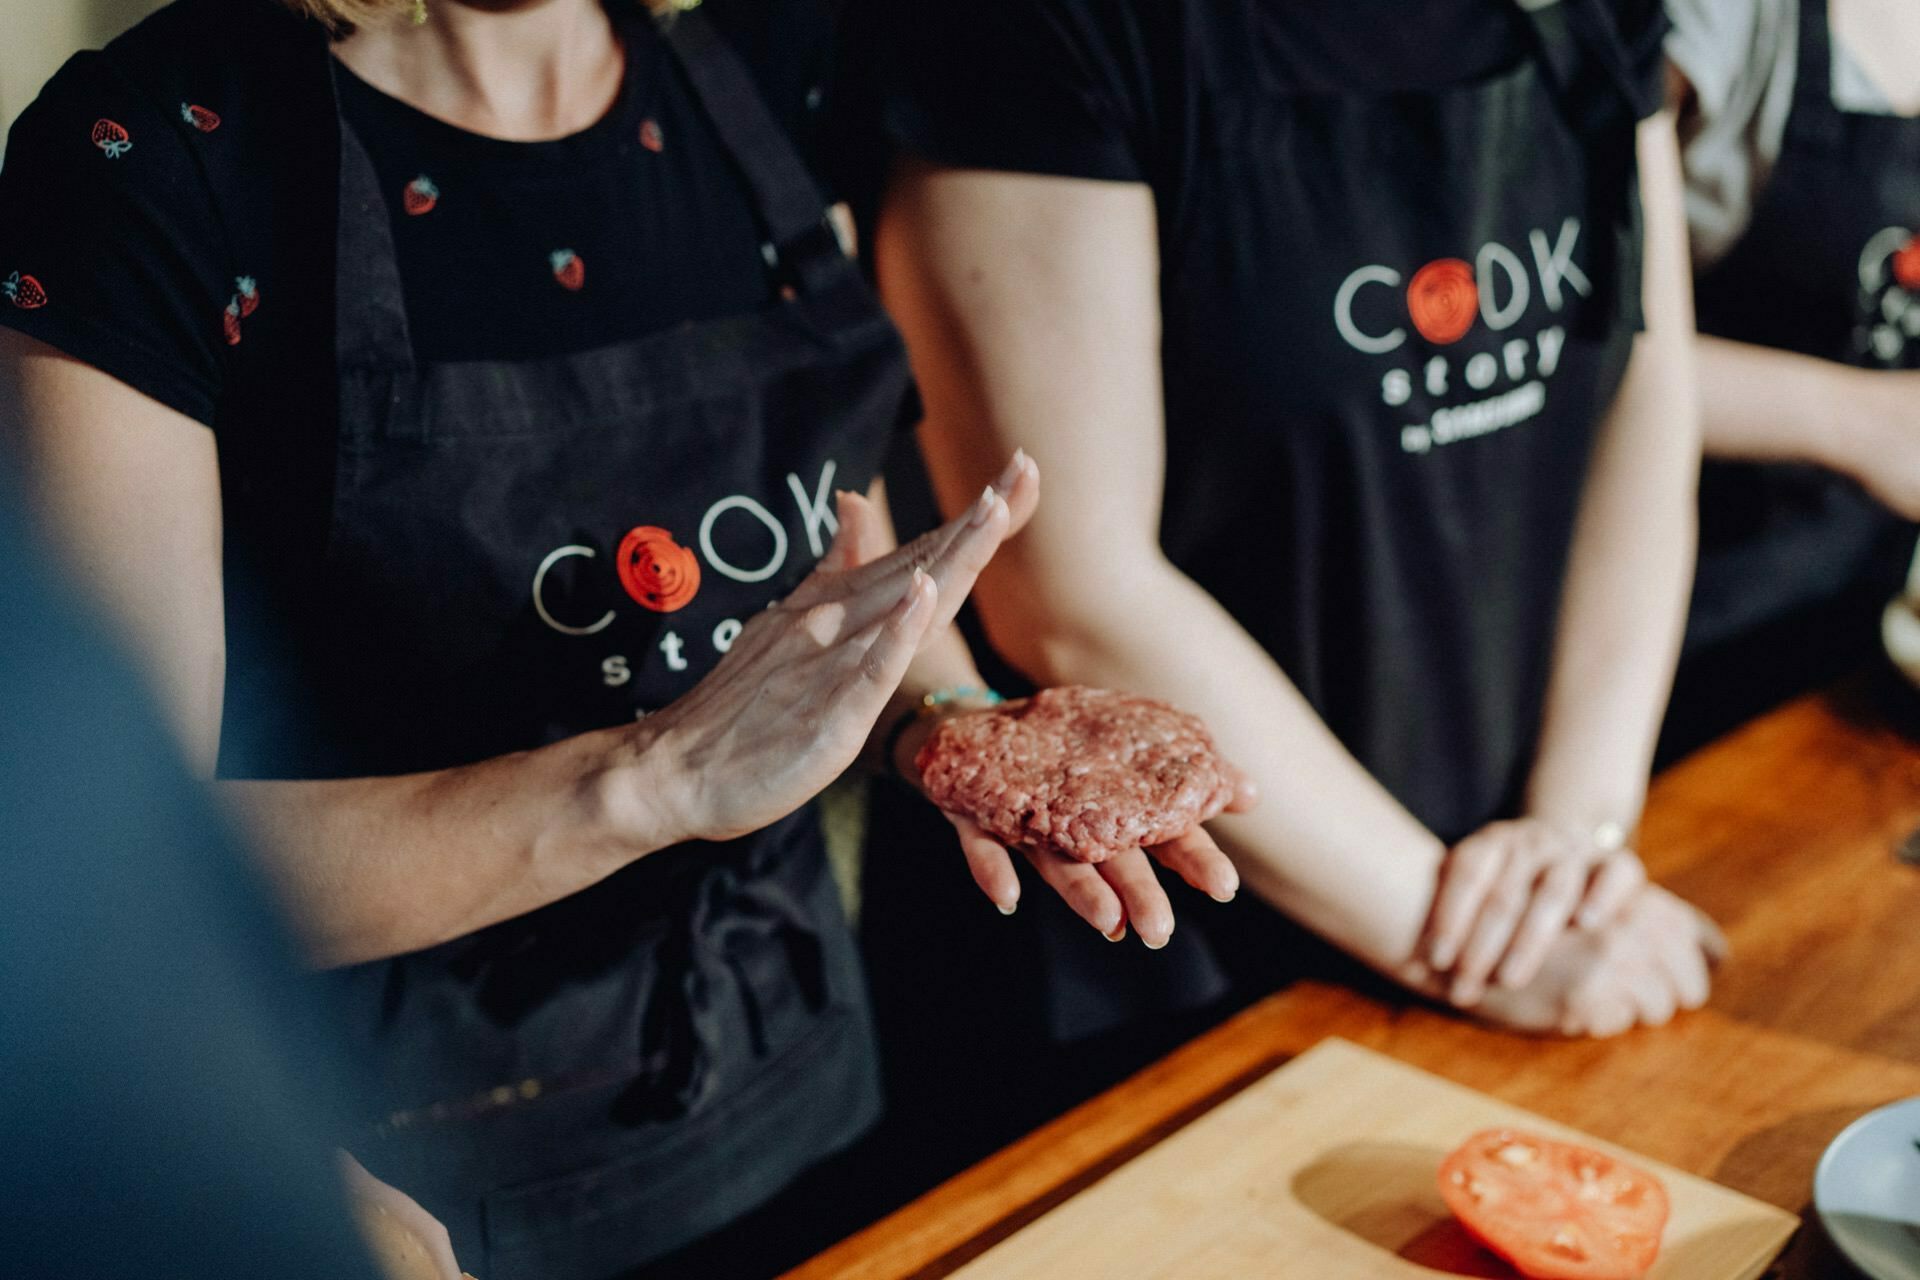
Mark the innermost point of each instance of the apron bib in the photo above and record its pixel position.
(1393, 325)
(523, 550)
(1820, 271)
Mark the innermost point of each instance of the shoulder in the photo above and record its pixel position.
(1729, 50)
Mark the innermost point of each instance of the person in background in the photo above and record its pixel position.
(1370, 434)
(1800, 124)
(173, 1089)
(497, 364)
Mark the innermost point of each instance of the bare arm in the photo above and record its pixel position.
(1760, 404)
(1625, 599)
(1031, 307)
(380, 866)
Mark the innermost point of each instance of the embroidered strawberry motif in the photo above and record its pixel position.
(199, 117)
(23, 292)
(420, 196)
(568, 269)
(246, 297)
(1906, 265)
(650, 136)
(110, 138)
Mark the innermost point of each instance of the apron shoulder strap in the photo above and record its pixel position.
(1813, 115)
(790, 203)
(1578, 37)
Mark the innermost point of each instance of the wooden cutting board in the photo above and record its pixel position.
(1324, 1170)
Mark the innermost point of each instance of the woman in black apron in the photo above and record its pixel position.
(1811, 330)
(479, 569)
(1322, 319)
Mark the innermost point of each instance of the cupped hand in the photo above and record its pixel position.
(1122, 890)
(1509, 891)
(1650, 962)
(790, 705)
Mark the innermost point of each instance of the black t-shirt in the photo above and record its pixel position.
(1114, 89)
(170, 209)
(1384, 498)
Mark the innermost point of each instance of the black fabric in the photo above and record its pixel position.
(451, 560)
(139, 255)
(1386, 504)
(173, 1091)
(1346, 498)
(524, 549)
(1814, 273)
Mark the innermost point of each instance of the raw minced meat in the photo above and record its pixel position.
(1083, 771)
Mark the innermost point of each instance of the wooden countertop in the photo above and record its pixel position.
(1784, 831)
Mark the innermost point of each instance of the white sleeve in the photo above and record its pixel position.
(1739, 56)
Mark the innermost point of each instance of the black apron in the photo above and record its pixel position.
(1817, 272)
(1393, 324)
(525, 550)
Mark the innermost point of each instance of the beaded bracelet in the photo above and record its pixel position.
(929, 704)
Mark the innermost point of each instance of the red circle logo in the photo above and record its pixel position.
(657, 571)
(1442, 300)
(1906, 265)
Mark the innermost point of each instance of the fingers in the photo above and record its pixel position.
(1465, 878)
(1081, 887)
(1598, 1014)
(1195, 858)
(860, 538)
(1653, 993)
(1131, 876)
(1542, 923)
(1500, 916)
(952, 556)
(1019, 484)
(1712, 941)
(1685, 966)
(988, 861)
(1246, 794)
(1616, 882)
(879, 669)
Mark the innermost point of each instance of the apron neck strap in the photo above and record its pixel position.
(790, 203)
(369, 305)
(1813, 116)
(1575, 37)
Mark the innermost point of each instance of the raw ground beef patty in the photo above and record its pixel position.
(1084, 771)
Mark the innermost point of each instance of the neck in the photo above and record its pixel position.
(519, 70)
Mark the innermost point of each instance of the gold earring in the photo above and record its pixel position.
(419, 13)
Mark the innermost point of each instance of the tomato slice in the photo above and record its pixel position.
(1555, 1210)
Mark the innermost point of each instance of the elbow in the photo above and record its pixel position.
(1063, 635)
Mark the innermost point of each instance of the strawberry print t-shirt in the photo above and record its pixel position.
(122, 247)
(168, 210)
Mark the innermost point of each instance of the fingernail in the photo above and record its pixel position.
(1118, 935)
(1006, 908)
(1224, 897)
(915, 596)
(983, 509)
(1155, 946)
(1010, 474)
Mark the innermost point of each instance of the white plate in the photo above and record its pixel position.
(1867, 1191)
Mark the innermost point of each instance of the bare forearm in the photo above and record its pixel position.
(376, 867)
(1764, 405)
(1630, 571)
(1327, 845)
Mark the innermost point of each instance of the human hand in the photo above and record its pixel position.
(408, 1242)
(1107, 895)
(1508, 891)
(1652, 961)
(792, 702)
